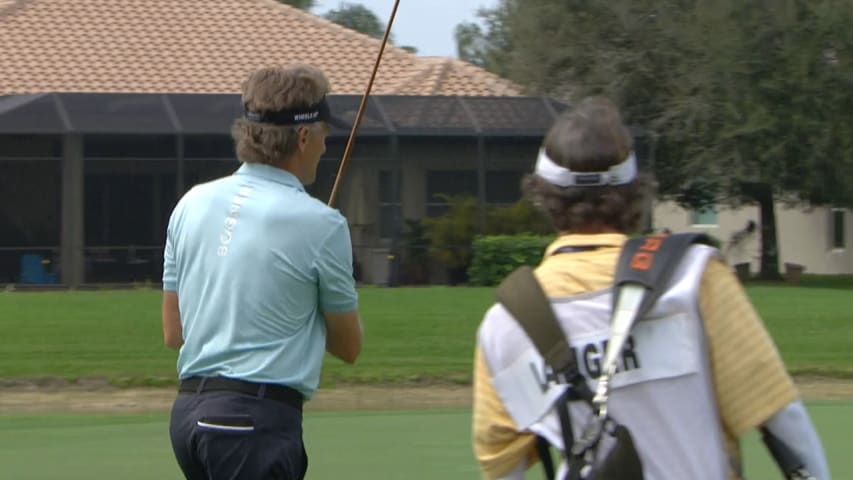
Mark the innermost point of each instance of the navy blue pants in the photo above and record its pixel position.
(234, 436)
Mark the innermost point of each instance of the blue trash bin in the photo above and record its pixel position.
(33, 270)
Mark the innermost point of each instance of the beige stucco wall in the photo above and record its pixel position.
(807, 240)
(804, 235)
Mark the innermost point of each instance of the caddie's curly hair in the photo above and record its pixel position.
(590, 138)
(271, 89)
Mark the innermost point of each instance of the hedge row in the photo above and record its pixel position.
(494, 257)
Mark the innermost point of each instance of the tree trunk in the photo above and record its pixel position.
(762, 193)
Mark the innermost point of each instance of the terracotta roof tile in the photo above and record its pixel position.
(447, 76)
(204, 46)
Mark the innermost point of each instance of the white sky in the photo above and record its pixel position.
(425, 24)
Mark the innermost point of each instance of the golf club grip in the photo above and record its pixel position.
(791, 466)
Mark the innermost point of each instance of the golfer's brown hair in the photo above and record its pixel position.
(272, 89)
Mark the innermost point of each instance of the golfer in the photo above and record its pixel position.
(258, 284)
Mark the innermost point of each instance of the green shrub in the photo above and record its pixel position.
(715, 242)
(496, 256)
(415, 253)
(450, 235)
(519, 218)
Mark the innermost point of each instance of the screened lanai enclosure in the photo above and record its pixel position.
(87, 181)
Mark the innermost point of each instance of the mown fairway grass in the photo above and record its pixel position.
(410, 333)
(425, 444)
(813, 327)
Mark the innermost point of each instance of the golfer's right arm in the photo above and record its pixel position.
(338, 297)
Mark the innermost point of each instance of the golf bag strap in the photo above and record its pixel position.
(543, 448)
(522, 295)
(643, 271)
(649, 262)
(565, 422)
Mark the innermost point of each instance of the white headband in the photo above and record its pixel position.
(619, 174)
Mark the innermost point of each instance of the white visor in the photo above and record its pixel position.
(619, 174)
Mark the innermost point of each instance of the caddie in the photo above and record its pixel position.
(692, 380)
(258, 284)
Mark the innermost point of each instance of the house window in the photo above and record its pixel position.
(704, 217)
(837, 222)
(390, 204)
(129, 146)
(30, 146)
(448, 182)
(209, 146)
(503, 187)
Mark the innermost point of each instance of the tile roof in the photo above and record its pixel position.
(204, 46)
(448, 76)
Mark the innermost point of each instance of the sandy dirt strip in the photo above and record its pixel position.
(96, 397)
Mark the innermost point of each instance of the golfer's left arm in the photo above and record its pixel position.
(338, 297)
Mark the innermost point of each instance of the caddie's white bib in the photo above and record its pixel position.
(662, 390)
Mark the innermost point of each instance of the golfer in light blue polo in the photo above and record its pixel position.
(258, 284)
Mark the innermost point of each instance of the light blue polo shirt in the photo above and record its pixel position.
(255, 260)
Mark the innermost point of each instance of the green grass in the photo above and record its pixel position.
(416, 333)
(844, 282)
(811, 326)
(411, 334)
(417, 445)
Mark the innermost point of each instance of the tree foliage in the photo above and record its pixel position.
(470, 43)
(361, 19)
(300, 4)
(485, 47)
(748, 101)
(356, 16)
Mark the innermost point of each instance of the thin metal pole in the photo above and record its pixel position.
(351, 140)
